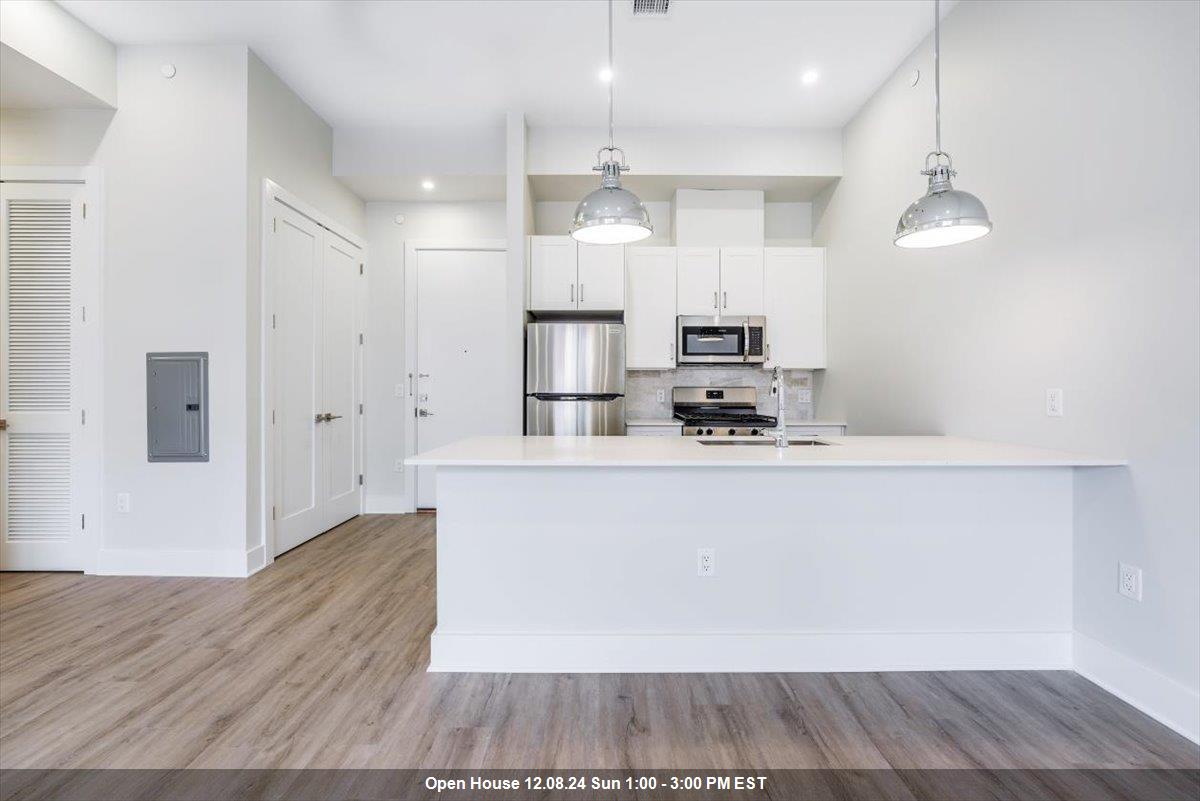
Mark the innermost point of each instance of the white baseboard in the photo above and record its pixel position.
(387, 505)
(748, 653)
(149, 562)
(256, 560)
(1172, 704)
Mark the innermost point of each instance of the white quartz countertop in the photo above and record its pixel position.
(671, 421)
(514, 451)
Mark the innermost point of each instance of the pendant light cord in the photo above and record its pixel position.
(937, 73)
(612, 75)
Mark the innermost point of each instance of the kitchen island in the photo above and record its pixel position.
(605, 554)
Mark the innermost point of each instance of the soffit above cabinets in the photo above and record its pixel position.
(777, 189)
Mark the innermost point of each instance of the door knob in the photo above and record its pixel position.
(424, 413)
(320, 418)
(330, 417)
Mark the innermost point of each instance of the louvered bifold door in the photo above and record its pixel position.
(39, 246)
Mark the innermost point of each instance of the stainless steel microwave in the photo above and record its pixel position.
(720, 340)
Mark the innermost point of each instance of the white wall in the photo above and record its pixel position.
(1078, 129)
(51, 137)
(46, 34)
(289, 144)
(691, 151)
(174, 162)
(385, 367)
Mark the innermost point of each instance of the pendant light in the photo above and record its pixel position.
(610, 215)
(945, 215)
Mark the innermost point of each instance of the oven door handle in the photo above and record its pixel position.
(746, 340)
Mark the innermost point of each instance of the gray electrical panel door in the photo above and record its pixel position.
(177, 407)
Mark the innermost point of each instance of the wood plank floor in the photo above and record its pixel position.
(319, 661)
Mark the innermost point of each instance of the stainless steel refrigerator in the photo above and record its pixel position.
(575, 379)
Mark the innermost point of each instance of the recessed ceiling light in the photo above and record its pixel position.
(606, 75)
(809, 77)
(427, 184)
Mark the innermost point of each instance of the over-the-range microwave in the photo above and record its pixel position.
(720, 340)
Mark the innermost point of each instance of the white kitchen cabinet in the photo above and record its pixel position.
(553, 273)
(741, 281)
(816, 430)
(644, 428)
(699, 281)
(601, 277)
(567, 276)
(650, 308)
(794, 303)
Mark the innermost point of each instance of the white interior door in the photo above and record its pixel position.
(461, 317)
(42, 476)
(316, 361)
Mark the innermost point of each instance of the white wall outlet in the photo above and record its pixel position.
(662, 396)
(1129, 581)
(1054, 403)
(706, 561)
(804, 396)
(399, 466)
(123, 502)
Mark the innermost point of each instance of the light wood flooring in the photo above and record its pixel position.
(319, 661)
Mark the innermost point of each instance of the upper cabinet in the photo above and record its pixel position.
(698, 288)
(601, 277)
(650, 308)
(794, 300)
(720, 281)
(567, 276)
(741, 280)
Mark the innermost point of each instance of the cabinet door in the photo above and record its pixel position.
(699, 282)
(553, 264)
(601, 277)
(742, 281)
(650, 308)
(794, 284)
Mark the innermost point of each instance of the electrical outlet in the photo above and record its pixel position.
(662, 396)
(1129, 581)
(399, 467)
(804, 396)
(123, 502)
(706, 562)
(1054, 403)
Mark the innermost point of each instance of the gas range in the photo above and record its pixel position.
(719, 412)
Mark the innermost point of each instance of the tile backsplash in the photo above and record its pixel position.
(641, 388)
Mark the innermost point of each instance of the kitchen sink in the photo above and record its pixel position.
(760, 442)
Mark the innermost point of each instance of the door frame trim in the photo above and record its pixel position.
(412, 249)
(90, 370)
(262, 553)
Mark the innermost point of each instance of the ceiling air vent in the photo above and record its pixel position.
(650, 8)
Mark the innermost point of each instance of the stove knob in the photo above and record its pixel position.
(699, 431)
(709, 432)
(732, 432)
(754, 432)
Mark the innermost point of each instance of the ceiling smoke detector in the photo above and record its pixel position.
(650, 8)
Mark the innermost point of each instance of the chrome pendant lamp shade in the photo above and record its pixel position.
(944, 215)
(610, 215)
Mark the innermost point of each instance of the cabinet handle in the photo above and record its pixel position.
(581, 293)
(768, 351)
(715, 300)
(572, 293)
(725, 295)
(410, 385)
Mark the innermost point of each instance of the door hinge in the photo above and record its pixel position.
(360, 408)
(360, 479)
(272, 417)
(83, 314)
(274, 225)
(83, 521)
(360, 339)
(272, 512)
(85, 211)
(272, 322)
(360, 268)
(83, 417)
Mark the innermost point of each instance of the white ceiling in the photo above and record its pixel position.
(434, 62)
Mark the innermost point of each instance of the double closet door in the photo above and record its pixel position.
(316, 355)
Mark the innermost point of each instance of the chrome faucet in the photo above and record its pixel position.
(780, 432)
